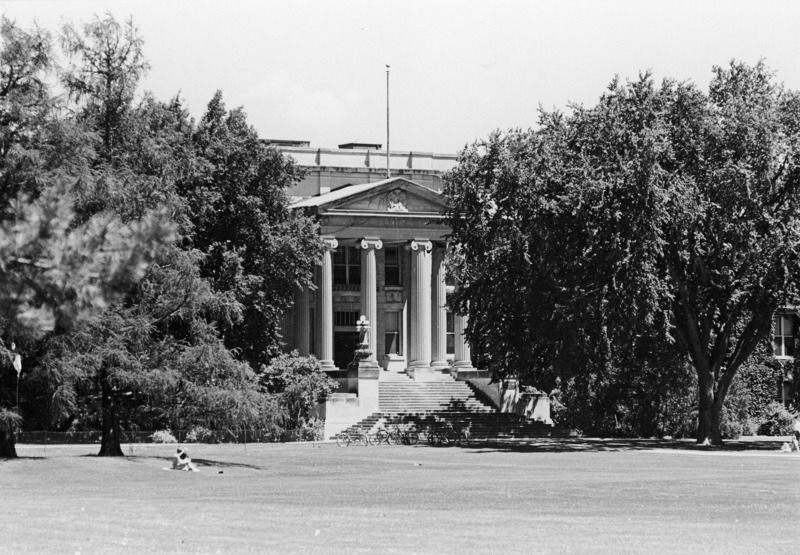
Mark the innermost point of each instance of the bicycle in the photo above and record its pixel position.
(403, 435)
(344, 439)
(439, 437)
(381, 435)
(359, 437)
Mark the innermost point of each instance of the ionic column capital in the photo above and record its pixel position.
(330, 242)
(370, 243)
(423, 244)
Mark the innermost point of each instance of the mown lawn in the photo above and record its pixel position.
(547, 496)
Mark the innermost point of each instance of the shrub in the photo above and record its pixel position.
(633, 397)
(163, 436)
(300, 385)
(735, 415)
(778, 421)
(762, 376)
(200, 434)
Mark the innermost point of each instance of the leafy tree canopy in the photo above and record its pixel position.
(255, 246)
(661, 212)
(153, 256)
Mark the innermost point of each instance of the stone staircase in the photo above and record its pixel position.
(445, 403)
(402, 395)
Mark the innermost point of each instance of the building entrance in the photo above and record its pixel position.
(344, 348)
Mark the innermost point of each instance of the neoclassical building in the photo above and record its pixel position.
(386, 262)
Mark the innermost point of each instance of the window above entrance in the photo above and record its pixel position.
(346, 266)
(392, 267)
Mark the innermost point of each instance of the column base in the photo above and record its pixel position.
(327, 365)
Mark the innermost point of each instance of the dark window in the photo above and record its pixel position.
(783, 335)
(346, 318)
(391, 267)
(346, 266)
(451, 334)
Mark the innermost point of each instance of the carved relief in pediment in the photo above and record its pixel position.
(397, 200)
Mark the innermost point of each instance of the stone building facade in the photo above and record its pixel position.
(386, 263)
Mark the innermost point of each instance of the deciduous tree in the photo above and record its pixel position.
(661, 211)
(255, 246)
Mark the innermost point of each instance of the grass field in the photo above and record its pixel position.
(550, 496)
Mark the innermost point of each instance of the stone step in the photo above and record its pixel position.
(481, 425)
(414, 397)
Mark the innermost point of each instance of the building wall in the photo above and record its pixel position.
(328, 169)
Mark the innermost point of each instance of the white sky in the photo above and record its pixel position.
(315, 70)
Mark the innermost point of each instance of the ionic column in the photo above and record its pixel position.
(302, 315)
(439, 310)
(463, 356)
(369, 289)
(325, 307)
(420, 332)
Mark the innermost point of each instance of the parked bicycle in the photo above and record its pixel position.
(444, 436)
(344, 439)
(406, 436)
(439, 436)
(381, 435)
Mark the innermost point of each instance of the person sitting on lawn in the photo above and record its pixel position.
(183, 462)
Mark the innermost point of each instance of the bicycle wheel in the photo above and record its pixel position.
(343, 439)
(362, 439)
(447, 438)
(433, 438)
(391, 438)
(412, 437)
(381, 436)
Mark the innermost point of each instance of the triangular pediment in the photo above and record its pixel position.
(396, 195)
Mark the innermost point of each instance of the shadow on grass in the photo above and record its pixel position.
(198, 462)
(209, 462)
(573, 445)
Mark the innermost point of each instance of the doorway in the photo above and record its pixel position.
(344, 348)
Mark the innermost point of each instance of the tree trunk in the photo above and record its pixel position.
(709, 413)
(109, 442)
(7, 449)
(705, 389)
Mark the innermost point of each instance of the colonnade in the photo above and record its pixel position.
(427, 326)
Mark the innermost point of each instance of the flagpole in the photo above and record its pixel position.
(388, 151)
